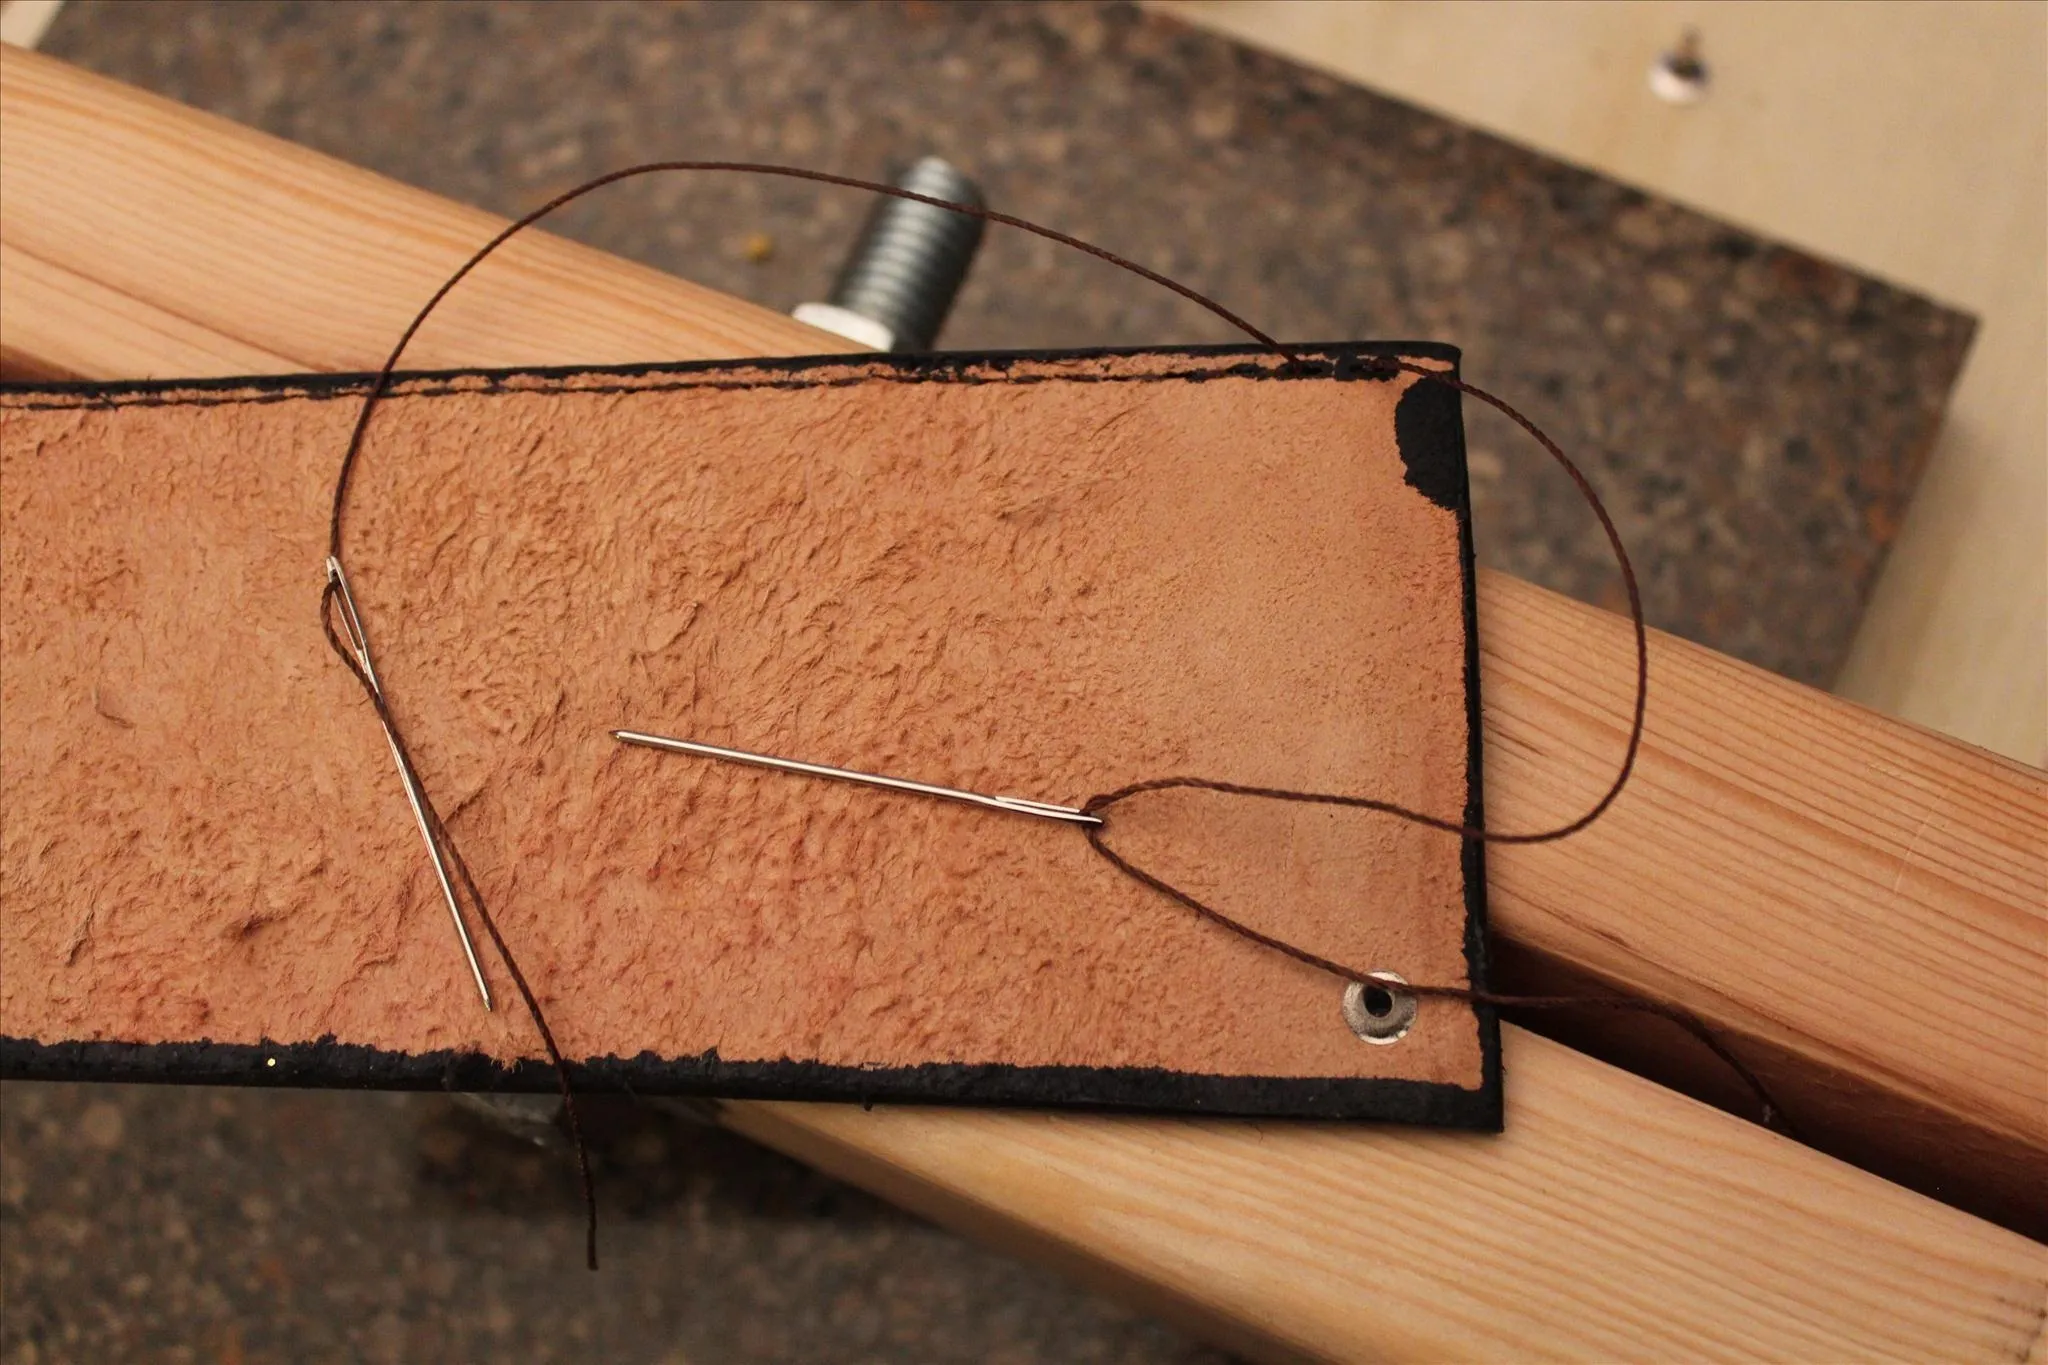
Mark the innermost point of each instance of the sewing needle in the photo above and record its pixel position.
(1016, 805)
(360, 643)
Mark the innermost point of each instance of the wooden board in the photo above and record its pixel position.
(1909, 142)
(1137, 1196)
(1613, 1220)
(1863, 902)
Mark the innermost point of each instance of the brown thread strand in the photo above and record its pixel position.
(1772, 1115)
(1474, 833)
(446, 840)
(1388, 365)
(355, 441)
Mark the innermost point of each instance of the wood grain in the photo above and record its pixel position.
(1614, 1220)
(1864, 903)
(1907, 141)
(59, 324)
(1785, 865)
(253, 238)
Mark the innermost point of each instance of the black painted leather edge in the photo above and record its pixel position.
(1321, 360)
(330, 1064)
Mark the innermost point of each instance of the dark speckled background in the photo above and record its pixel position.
(1756, 418)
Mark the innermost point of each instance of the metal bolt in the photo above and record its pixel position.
(533, 1118)
(898, 285)
(1679, 76)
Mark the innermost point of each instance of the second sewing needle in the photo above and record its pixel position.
(1016, 805)
(359, 643)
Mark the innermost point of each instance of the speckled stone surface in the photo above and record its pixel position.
(204, 1225)
(1756, 418)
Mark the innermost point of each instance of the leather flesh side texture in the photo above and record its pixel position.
(1044, 577)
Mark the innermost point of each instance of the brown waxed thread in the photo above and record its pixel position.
(1387, 366)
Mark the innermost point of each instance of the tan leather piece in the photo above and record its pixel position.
(1046, 589)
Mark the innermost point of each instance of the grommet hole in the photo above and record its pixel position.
(1379, 1013)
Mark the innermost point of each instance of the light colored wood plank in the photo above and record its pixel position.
(1863, 902)
(1834, 827)
(303, 256)
(1614, 1220)
(59, 324)
(24, 22)
(1910, 141)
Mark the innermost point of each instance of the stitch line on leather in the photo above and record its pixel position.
(494, 384)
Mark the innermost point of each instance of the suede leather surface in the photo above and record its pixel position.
(1044, 577)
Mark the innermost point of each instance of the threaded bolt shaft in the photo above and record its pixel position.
(912, 258)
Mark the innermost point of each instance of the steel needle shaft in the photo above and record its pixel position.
(1015, 805)
(360, 643)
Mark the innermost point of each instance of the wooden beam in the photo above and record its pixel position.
(1614, 1220)
(58, 324)
(314, 261)
(1784, 864)
(1862, 903)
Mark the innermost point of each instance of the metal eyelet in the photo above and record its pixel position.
(1379, 1014)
